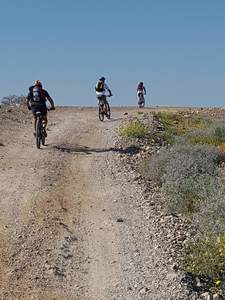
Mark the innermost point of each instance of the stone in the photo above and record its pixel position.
(120, 220)
(206, 296)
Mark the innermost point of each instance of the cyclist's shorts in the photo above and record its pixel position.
(41, 108)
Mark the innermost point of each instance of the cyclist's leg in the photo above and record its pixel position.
(34, 110)
(101, 101)
(104, 101)
(34, 122)
(44, 121)
(139, 97)
(44, 113)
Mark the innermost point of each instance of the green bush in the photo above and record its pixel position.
(205, 259)
(133, 129)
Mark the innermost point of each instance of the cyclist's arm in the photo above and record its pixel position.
(50, 100)
(108, 89)
(144, 90)
(28, 99)
(27, 102)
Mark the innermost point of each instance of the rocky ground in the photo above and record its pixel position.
(76, 219)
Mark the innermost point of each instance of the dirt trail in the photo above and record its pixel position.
(68, 227)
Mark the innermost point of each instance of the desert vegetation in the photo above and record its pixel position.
(133, 129)
(189, 173)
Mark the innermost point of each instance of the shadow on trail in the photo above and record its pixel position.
(85, 150)
(114, 119)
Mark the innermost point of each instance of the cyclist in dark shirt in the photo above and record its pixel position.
(36, 101)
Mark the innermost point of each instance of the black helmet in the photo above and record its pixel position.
(102, 79)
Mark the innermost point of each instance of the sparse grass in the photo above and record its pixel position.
(180, 123)
(177, 124)
(211, 215)
(154, 169)
(180, 162)
(186, 195)
(222, 147)
(214, 137)
(133, 129)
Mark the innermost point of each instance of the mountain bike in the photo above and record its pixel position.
(104, 108)
(141, 100)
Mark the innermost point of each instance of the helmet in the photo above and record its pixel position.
(102, 79)
(38, 83)
(141, 83)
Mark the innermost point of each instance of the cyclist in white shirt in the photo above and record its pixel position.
(102, 90)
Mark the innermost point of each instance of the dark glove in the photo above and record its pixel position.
(52, 108)
(29, 107)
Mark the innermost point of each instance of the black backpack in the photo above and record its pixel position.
(99, 86)
(36, 94)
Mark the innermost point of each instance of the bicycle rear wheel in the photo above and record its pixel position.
(101, 113)
(38, 132)
(43, 138)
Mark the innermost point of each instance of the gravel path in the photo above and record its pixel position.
(74, 220)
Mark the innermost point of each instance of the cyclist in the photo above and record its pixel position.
(141, 91)
(101, 89)
(36, 101)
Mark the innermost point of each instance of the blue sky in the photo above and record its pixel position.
(176, 47)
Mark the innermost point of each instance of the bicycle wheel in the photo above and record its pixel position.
(108, 112)
(101, 113)
(38, 132)
(43, 137)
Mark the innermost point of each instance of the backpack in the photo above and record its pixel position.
(36, 94)
(99, 86)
